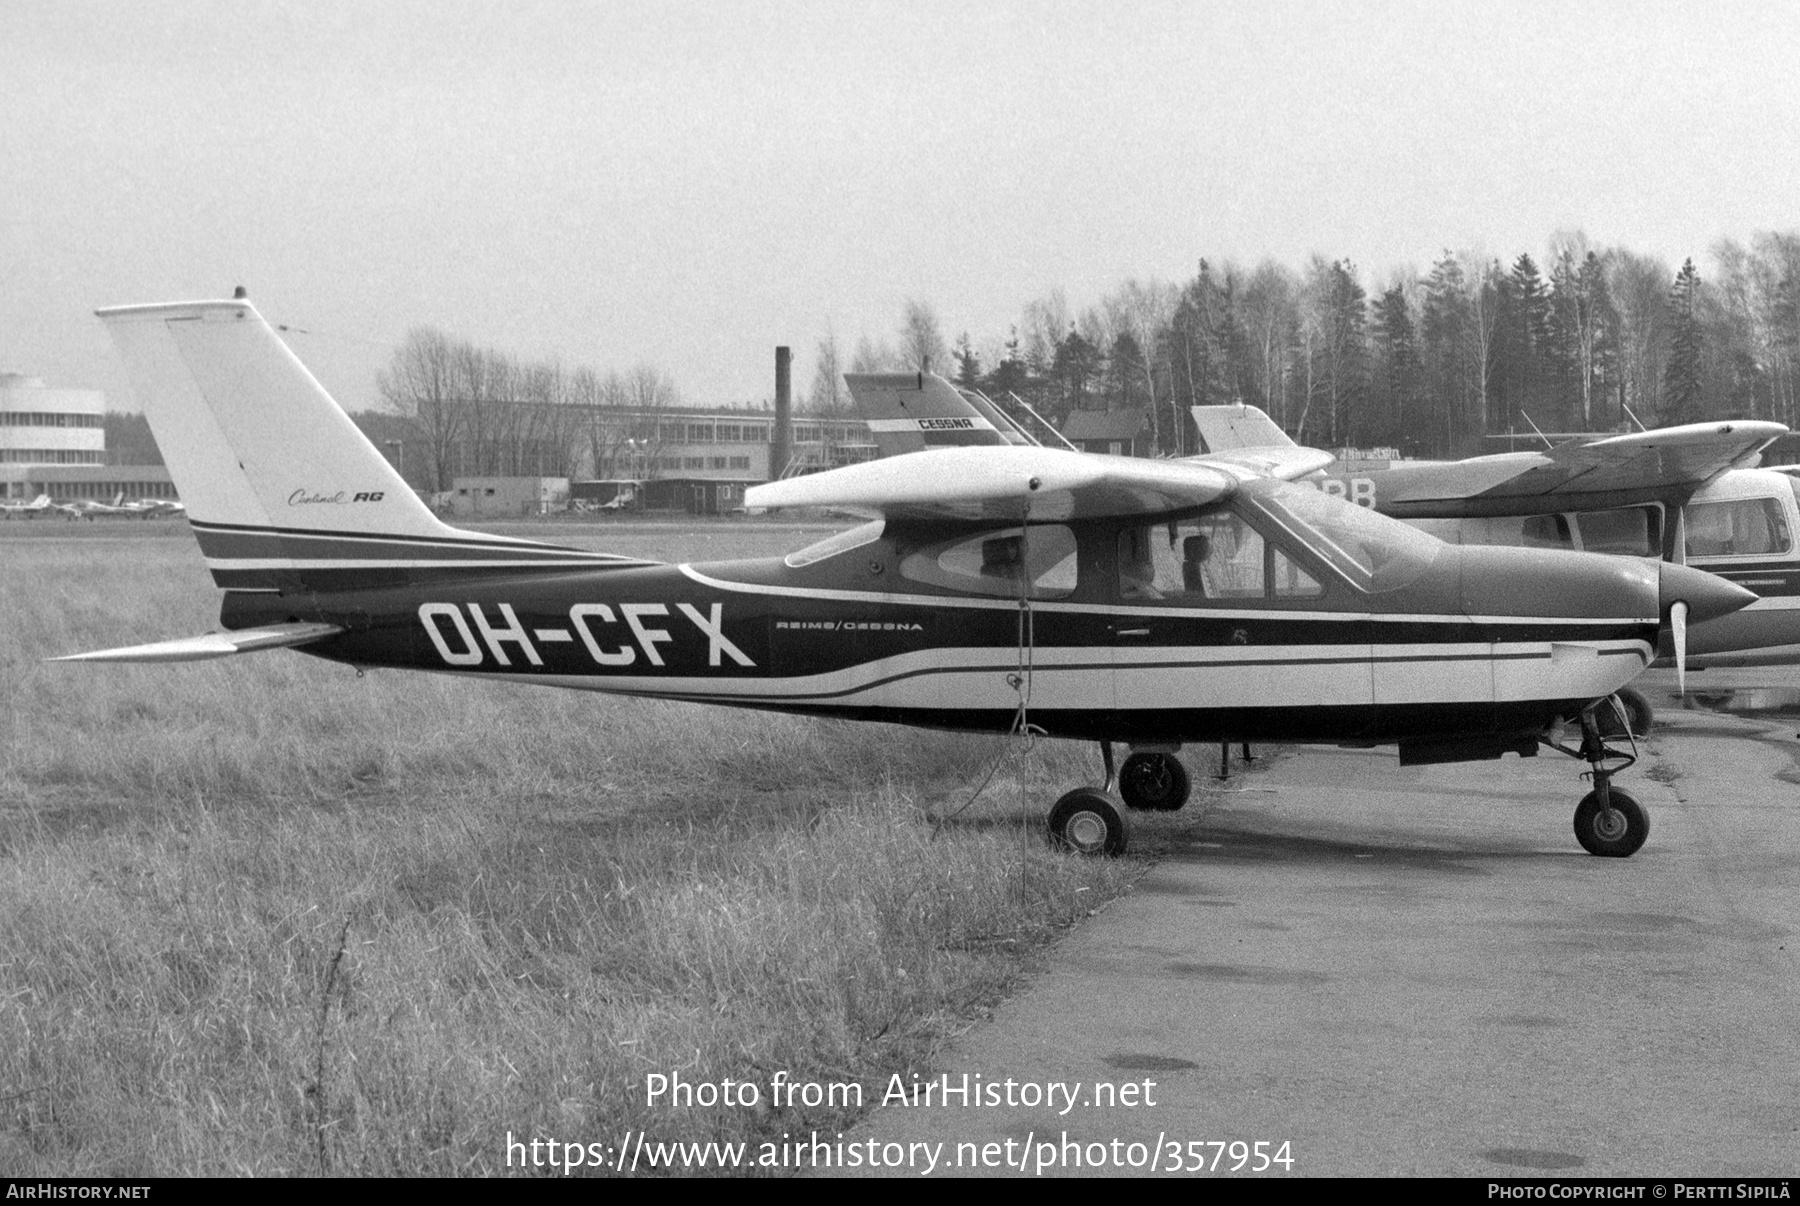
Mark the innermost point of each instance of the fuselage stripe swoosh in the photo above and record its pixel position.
(1150, 613)
(469, 542)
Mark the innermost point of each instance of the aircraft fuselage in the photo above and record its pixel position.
(1494, 642)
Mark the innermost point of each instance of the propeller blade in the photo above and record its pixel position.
(1678, 630)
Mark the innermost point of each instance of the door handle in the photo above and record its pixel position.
(1132, 632)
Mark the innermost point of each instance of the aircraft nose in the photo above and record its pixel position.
(1707, 596)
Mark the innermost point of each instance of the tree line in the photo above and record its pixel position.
(1598, 339)
(468, 411)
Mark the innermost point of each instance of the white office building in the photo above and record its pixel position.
(41, 426)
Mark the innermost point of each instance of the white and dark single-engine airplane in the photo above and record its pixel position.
(996, 589)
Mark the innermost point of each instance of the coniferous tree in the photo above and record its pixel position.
(1682, 370)
(1342, 355)
(1444, 331)
(968, 365)
(1525, 376)
(1125, 376)
(1076, 367)
(1400, 372)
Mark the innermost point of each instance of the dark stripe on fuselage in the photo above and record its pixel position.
(787, 636)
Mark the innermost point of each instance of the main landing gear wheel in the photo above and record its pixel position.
(1088, 821)
(1614, 832)
(1157, 782)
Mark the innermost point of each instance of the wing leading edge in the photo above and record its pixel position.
(1646, 463)
(1004, 483)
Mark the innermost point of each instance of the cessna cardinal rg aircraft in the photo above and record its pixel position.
(1106, 599)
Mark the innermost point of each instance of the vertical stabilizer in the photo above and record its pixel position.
(250, 437)
(909, 412)
(282, 490)
(1229, 428)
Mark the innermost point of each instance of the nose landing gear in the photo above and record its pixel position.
(1608, 823)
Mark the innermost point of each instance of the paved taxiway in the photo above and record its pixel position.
(1418, 971)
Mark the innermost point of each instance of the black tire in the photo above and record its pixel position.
(1088, 821)
(1616, 836)
(1638, 714)
(1156, 782)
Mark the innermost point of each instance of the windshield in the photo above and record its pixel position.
(1376, 553)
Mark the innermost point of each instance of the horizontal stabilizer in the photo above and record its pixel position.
(1003, 482)
(212, 645)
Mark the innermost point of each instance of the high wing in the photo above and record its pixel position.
(212, 645)
(1666, 464)
(1003, 482)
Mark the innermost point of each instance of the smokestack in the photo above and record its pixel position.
(781, 449)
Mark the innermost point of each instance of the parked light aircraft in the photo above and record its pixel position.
(156, 508)
(1680, 493)
(89, 508)
(997, 589)
(26, 510)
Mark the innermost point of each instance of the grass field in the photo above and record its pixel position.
(267, 916)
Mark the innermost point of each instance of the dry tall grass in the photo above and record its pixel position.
(265, 916)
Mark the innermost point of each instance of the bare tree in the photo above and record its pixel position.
(1640, 287)
(1271, 310)
(828, 396)
(872, 357)
(418, 385)
(922, 341)
(1484, 317)
(1142, 309)
(1046, 325)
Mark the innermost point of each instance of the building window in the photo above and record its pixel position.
(740, 462)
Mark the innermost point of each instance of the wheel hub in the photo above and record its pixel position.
(1086, 831)
(1610, 824)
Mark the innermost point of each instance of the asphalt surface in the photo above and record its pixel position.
(1417, 971)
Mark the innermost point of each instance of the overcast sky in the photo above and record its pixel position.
(690, 185)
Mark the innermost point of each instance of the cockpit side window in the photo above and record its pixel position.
(1745, 527)
(1634, 531)
(1217, 559)
(1038, 562)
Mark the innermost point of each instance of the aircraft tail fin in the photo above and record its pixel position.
(283, 491)
(909, 412)
(1229, 428)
